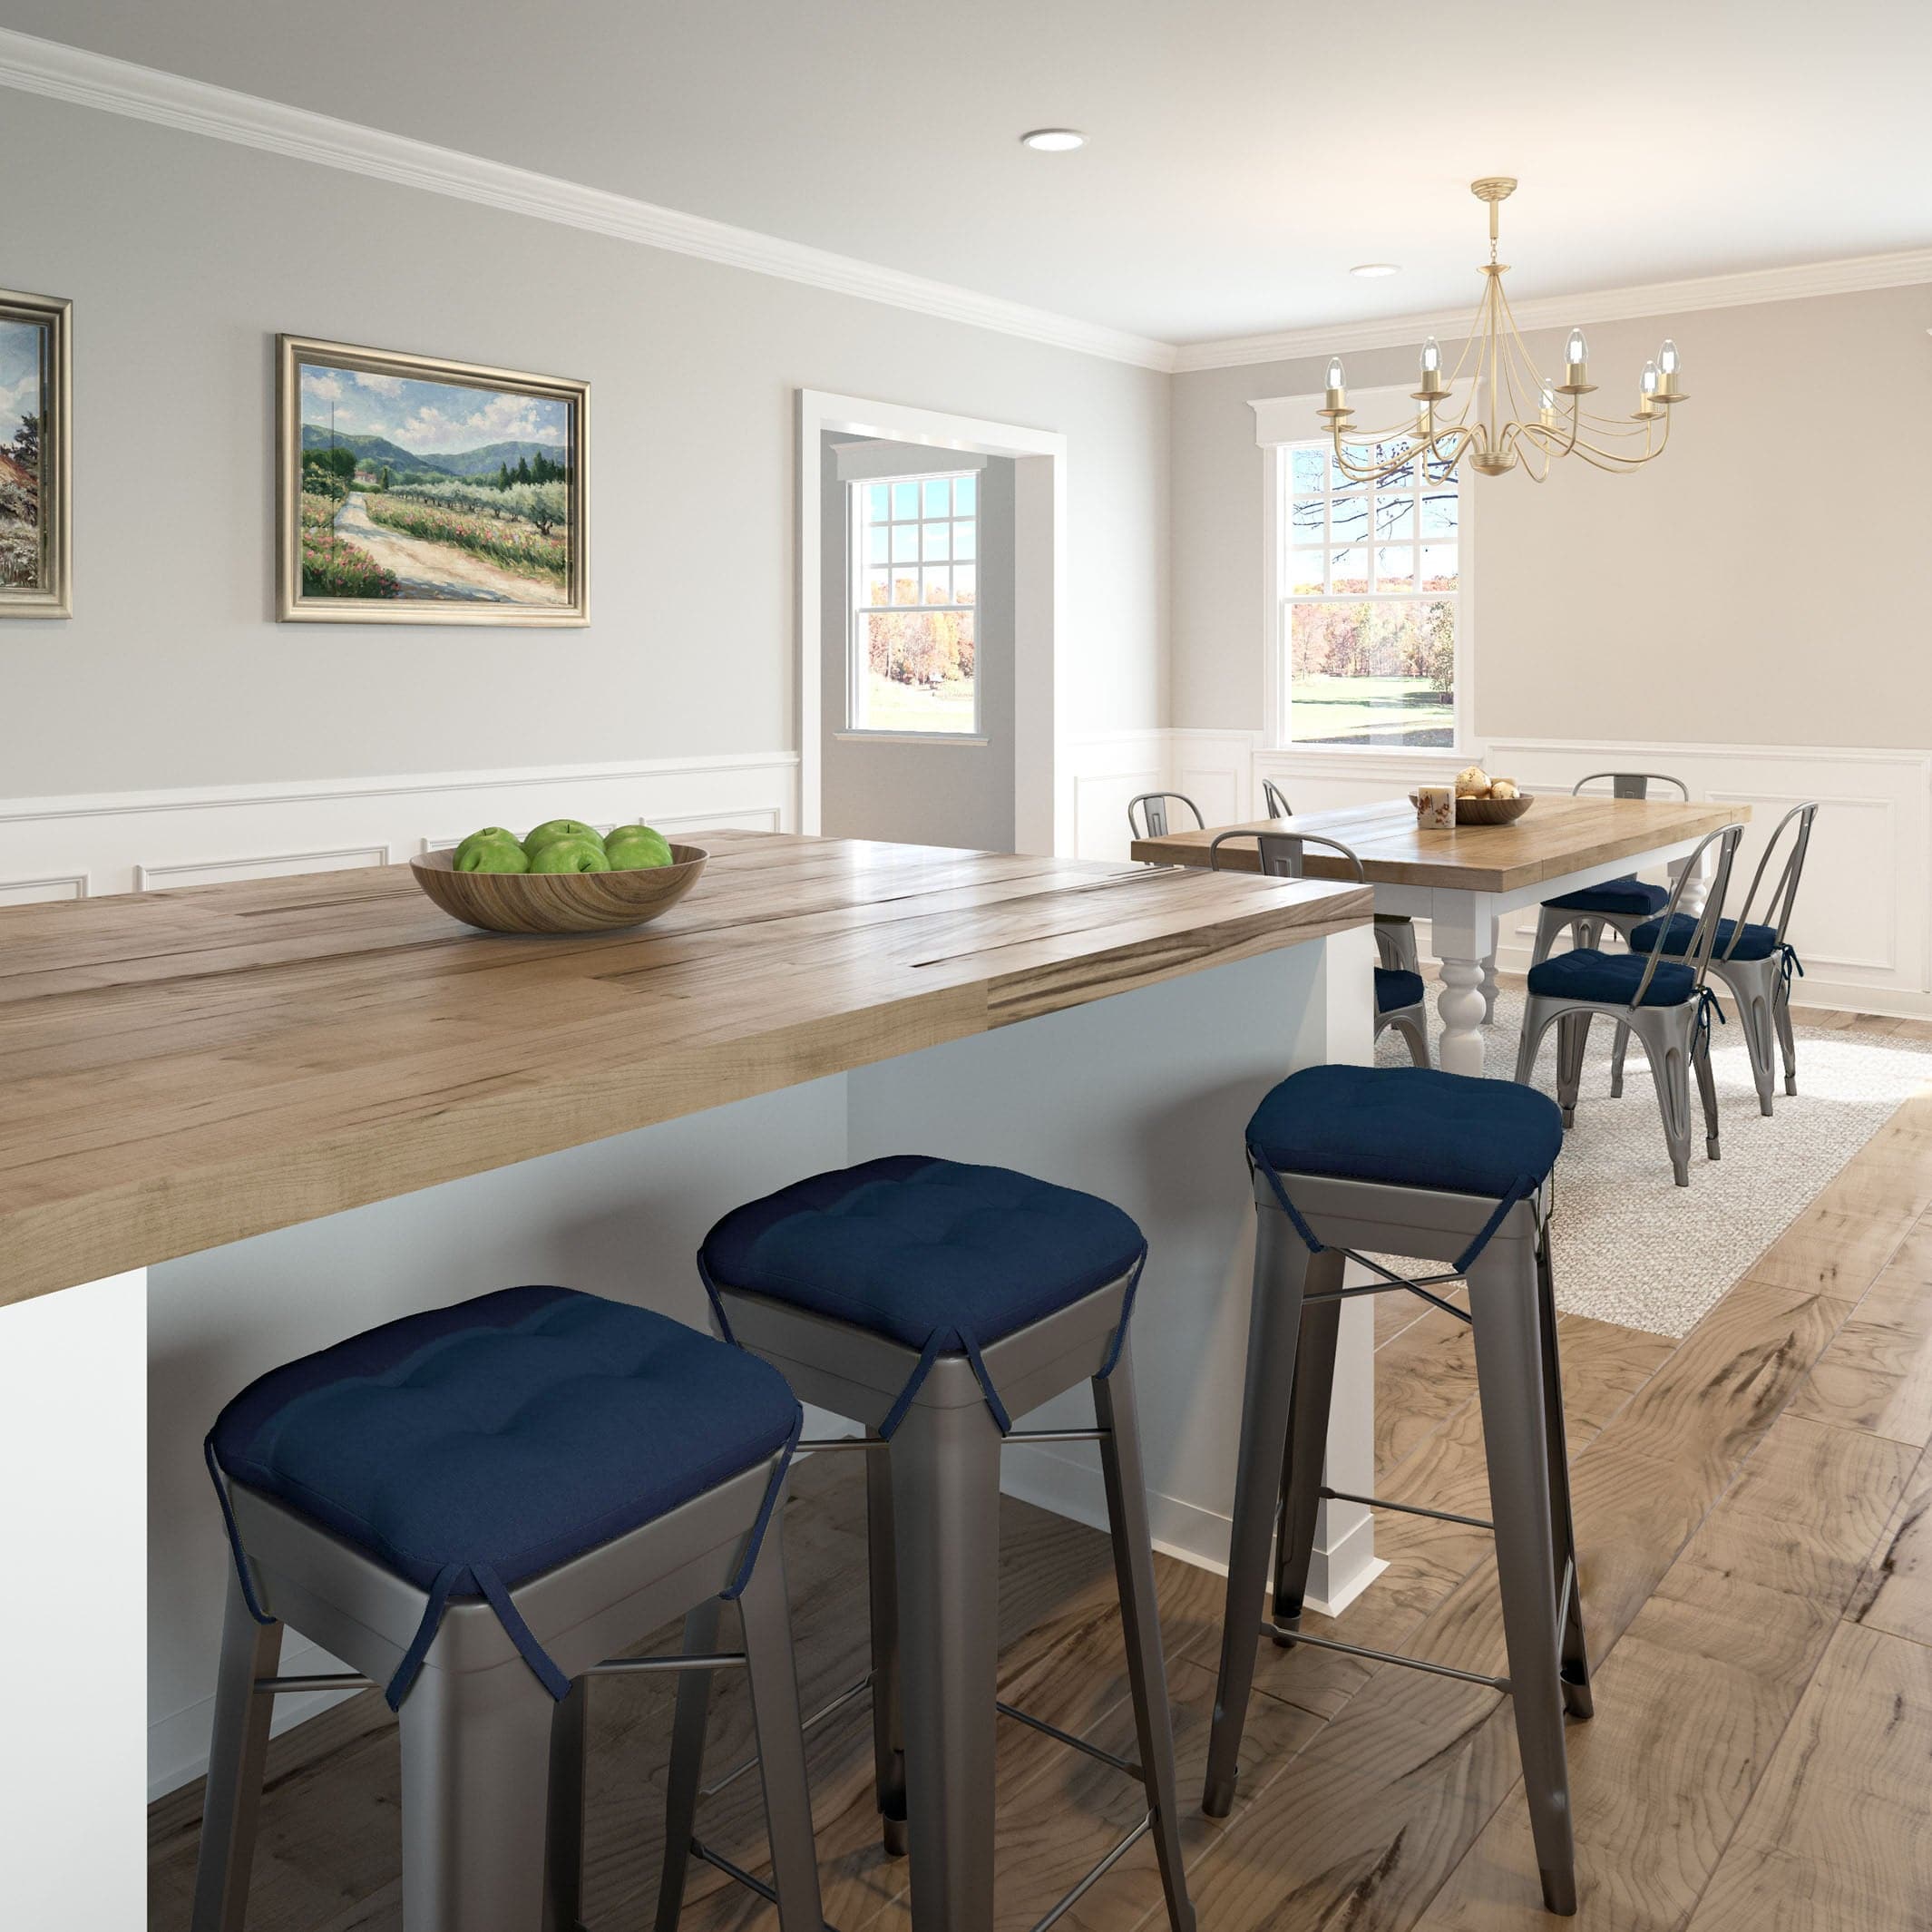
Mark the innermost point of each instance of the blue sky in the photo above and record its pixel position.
(19, 374)
(428, 418)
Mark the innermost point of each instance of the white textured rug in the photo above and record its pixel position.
(1634, 1248)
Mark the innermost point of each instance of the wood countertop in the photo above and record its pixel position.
(181, 1069)
(1558, 835)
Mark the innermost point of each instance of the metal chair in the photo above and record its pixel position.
(1618, 903)
(1664, 1001)
(1401, 1000)
(1756, 962)
(1349, 1163)
(1276, 800)
(1153, 808)
(1395, 932)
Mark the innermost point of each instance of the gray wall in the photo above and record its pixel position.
(1760, 583)
(184, 256)
(936, 794)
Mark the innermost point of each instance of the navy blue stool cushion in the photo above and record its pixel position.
(1629, 895)
(1408, 1126)
(513, 1431)
(917, 1248)
(1755, 943)
(1395, 989)
(1612, 977)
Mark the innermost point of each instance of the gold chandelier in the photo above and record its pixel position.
(1496, 425)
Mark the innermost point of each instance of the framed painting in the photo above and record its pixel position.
(411, 491)
(36, 435)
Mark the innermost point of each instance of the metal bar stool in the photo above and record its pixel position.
(932, 1301)
(1350, 1160)
(1401, 1000)
(1618, 903)
(475, 1508)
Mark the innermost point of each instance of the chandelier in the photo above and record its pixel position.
(1510, 411)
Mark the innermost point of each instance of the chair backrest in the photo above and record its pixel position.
(1282, 854)
(1704, 936)
(1632, 785)
(1150, 809)
(1784, 892)
(1278, 805)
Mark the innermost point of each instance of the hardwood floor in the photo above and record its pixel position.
(1755, 1506)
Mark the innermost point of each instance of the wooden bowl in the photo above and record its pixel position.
(558, 902)
(1491, 811)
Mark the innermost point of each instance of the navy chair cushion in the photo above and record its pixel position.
(1395, 990)
(1630, 895)
(912, 1248)
(1611, 978)
(1756, 942)
(1411, 1126)
(514, 1431)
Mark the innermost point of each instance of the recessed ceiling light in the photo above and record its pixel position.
(1377, 267)
(1054, 141)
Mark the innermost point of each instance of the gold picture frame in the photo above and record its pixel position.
(36, 445)
(415, 490)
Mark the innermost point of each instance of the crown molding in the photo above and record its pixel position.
(85, 79)
(1850, 277)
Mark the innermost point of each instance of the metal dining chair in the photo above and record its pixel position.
(1754, 960)
(1401, 997)
(1618, 903)
(1395, 932)
(1146, 814)
(1663, 1001)
(1276, 800)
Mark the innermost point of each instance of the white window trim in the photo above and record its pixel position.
(1283, 420)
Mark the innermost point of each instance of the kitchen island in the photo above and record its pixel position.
(240, 1122)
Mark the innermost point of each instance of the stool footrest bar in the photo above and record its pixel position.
(1287, 1635)
(1015, 1435)
(1563, 1596)
(335, 1681)
(808, 1725)
(1123, 1765)
(1377, 1502)
(722, 1660)
(1098, 1872)
(700, 1850)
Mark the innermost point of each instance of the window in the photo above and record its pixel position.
(914, 577)
(1370, 589)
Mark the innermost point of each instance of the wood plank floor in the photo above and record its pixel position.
(1755, 1510)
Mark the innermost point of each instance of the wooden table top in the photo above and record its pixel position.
(181, 1069)
(1559, 834)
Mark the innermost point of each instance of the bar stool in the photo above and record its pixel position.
(473, 1506)
(1411, 1161)
(932, 1301)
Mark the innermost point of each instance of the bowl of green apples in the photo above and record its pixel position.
(565, 876)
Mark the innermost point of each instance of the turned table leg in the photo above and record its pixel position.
(1465, 942)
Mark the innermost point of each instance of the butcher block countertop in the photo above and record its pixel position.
(182, 1069)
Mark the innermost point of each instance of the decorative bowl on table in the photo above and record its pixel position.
(1487, 810)
(558, 902)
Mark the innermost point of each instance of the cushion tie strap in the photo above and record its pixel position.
(1706, 1006)
(490, 1586)
(234, 1533)
(732, 1590)
(941, 1341)
(1288, 1206)
(1127, 1309)
(1790, 963)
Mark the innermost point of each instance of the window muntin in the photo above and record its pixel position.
(915, 581)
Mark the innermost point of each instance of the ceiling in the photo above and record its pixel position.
(1241, 156)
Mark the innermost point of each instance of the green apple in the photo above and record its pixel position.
(638, 848)
(569, 854)
(555, 828)
(489, 835)
(491, 855)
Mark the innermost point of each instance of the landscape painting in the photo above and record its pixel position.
(426, 492)
(34, 445)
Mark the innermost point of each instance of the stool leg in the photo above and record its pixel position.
(1572, 1037)
(1116, 1411)
(1617, 1052)
(1282, 1266)
(1577, 1698)
(686, 1761)
(1706, 1091)
(232, 1800)
(475, 1771)
(563, 1862)
(888, 1731)
(1787, 1040)
(946, 1474)
(1504, 1301)
(781, 1740)
(1308, 1406)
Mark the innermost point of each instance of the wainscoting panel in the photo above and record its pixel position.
(1101, 776)
(31, 891)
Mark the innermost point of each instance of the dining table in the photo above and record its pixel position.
(1464, 878)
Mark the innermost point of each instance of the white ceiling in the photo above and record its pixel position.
(1241, 156)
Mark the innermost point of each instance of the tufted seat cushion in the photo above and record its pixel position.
(1629, 895)
(1411, 1126)
(1395, 989)
(913, 1247)
(513, 1431)
(1756, 942)
(1611, 978)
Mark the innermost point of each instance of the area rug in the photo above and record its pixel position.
(1631, 1247)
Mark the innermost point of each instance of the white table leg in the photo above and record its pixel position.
(1465, 942)
(1488, 990)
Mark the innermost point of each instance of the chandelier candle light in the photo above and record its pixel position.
(1496, 427)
